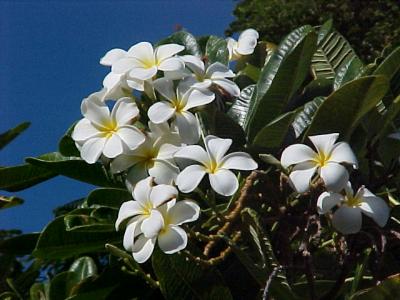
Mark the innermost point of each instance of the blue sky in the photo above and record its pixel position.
(49, 62)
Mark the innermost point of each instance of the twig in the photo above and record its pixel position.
(269, 281)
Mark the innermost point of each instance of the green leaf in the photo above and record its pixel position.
(19, 245)
(75, 168)
(9, 135)
(67, 146)
(351, 70)
(240, 108)
(186, 39)
(280, 78)
(182, 279)
(274, 133)
(343, 109)
(303, 118)
(39, 291)
(387, 290)
(217, 50)
(20, 177)
(250, 71)
(390, 66)
(85, 267)
(62, 284)
(387, 118)
(55, 242)
(111, 197)
(7, 202)
(332, 54)
(271, 160)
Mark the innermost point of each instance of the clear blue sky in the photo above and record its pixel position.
(49, 57)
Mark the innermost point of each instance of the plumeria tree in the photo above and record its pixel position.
(226, 169)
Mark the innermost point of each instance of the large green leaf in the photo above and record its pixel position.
(332, 54)
(351, 70)
(390, 66)
(186, 39)
(280, 78)
(304, 117)
(62, 284)
(84, 266)
(23, 176)
(75, 168)
(7, 202)
(389, 289)
(67, 146)
(240, 108)
(274, 133)
(19, 245)
(111, 197)
(217, 50)
(9, 135)
(343, 109)
(183, 279)
(55, 242)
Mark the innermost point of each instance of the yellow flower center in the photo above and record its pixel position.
(353, 201)
(212, 167)
(109, 128)
(178, 105)
(321, 159)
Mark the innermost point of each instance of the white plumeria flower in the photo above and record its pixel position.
(215, 163)
(142, 62)
(154, 157)
(102, 132)
(347, 218)
(163, 226)
(326, 162)
(177, 107)
(244, 45)
(216, 73)
(141, 213)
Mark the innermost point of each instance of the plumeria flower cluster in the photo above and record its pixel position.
(155, 143)
(329, 163)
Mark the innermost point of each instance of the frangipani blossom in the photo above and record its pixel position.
(216, 73)
(163, 226)
(215, 163)
(347, 218)
(142, 62)
(102, 132)
(180, 101)
(244, 45)
(327, 162)
(152, 158)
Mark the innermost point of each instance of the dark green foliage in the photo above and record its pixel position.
(369, 26)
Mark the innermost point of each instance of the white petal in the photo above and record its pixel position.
(164, 172)
(167, 151)
(124, 111)
(184, 211)
(152, 225)
(172, 64)
(247, 41)
(219, 71)
(342, 153)
(188, 127)
(112, 56)
(131, 136)
(165, 87)
(112, 80)
(172, 240)
(95, 110)
(142, 51)
(84, 130)
(239, 161)
(217, 147)
(295, 154)
(123, 65)
(194, 63)
(376, 208)
(347, 219)
(193, 152)
(229, 86)
(301, 175)
(190, 178)
(129, 235)
(231, 44)
(137, 173)
(224, 182)
(168, 50)
(335, 176)
(123, 162)
(143, 73)
(142, 190)
(160, 112)
(128, 210)
(250, 32)
(135, 84)
(199, 97)
(113, 146)
(92, 149)
(324, 142)
(326, 201)
(162, 193)
(143, 248)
